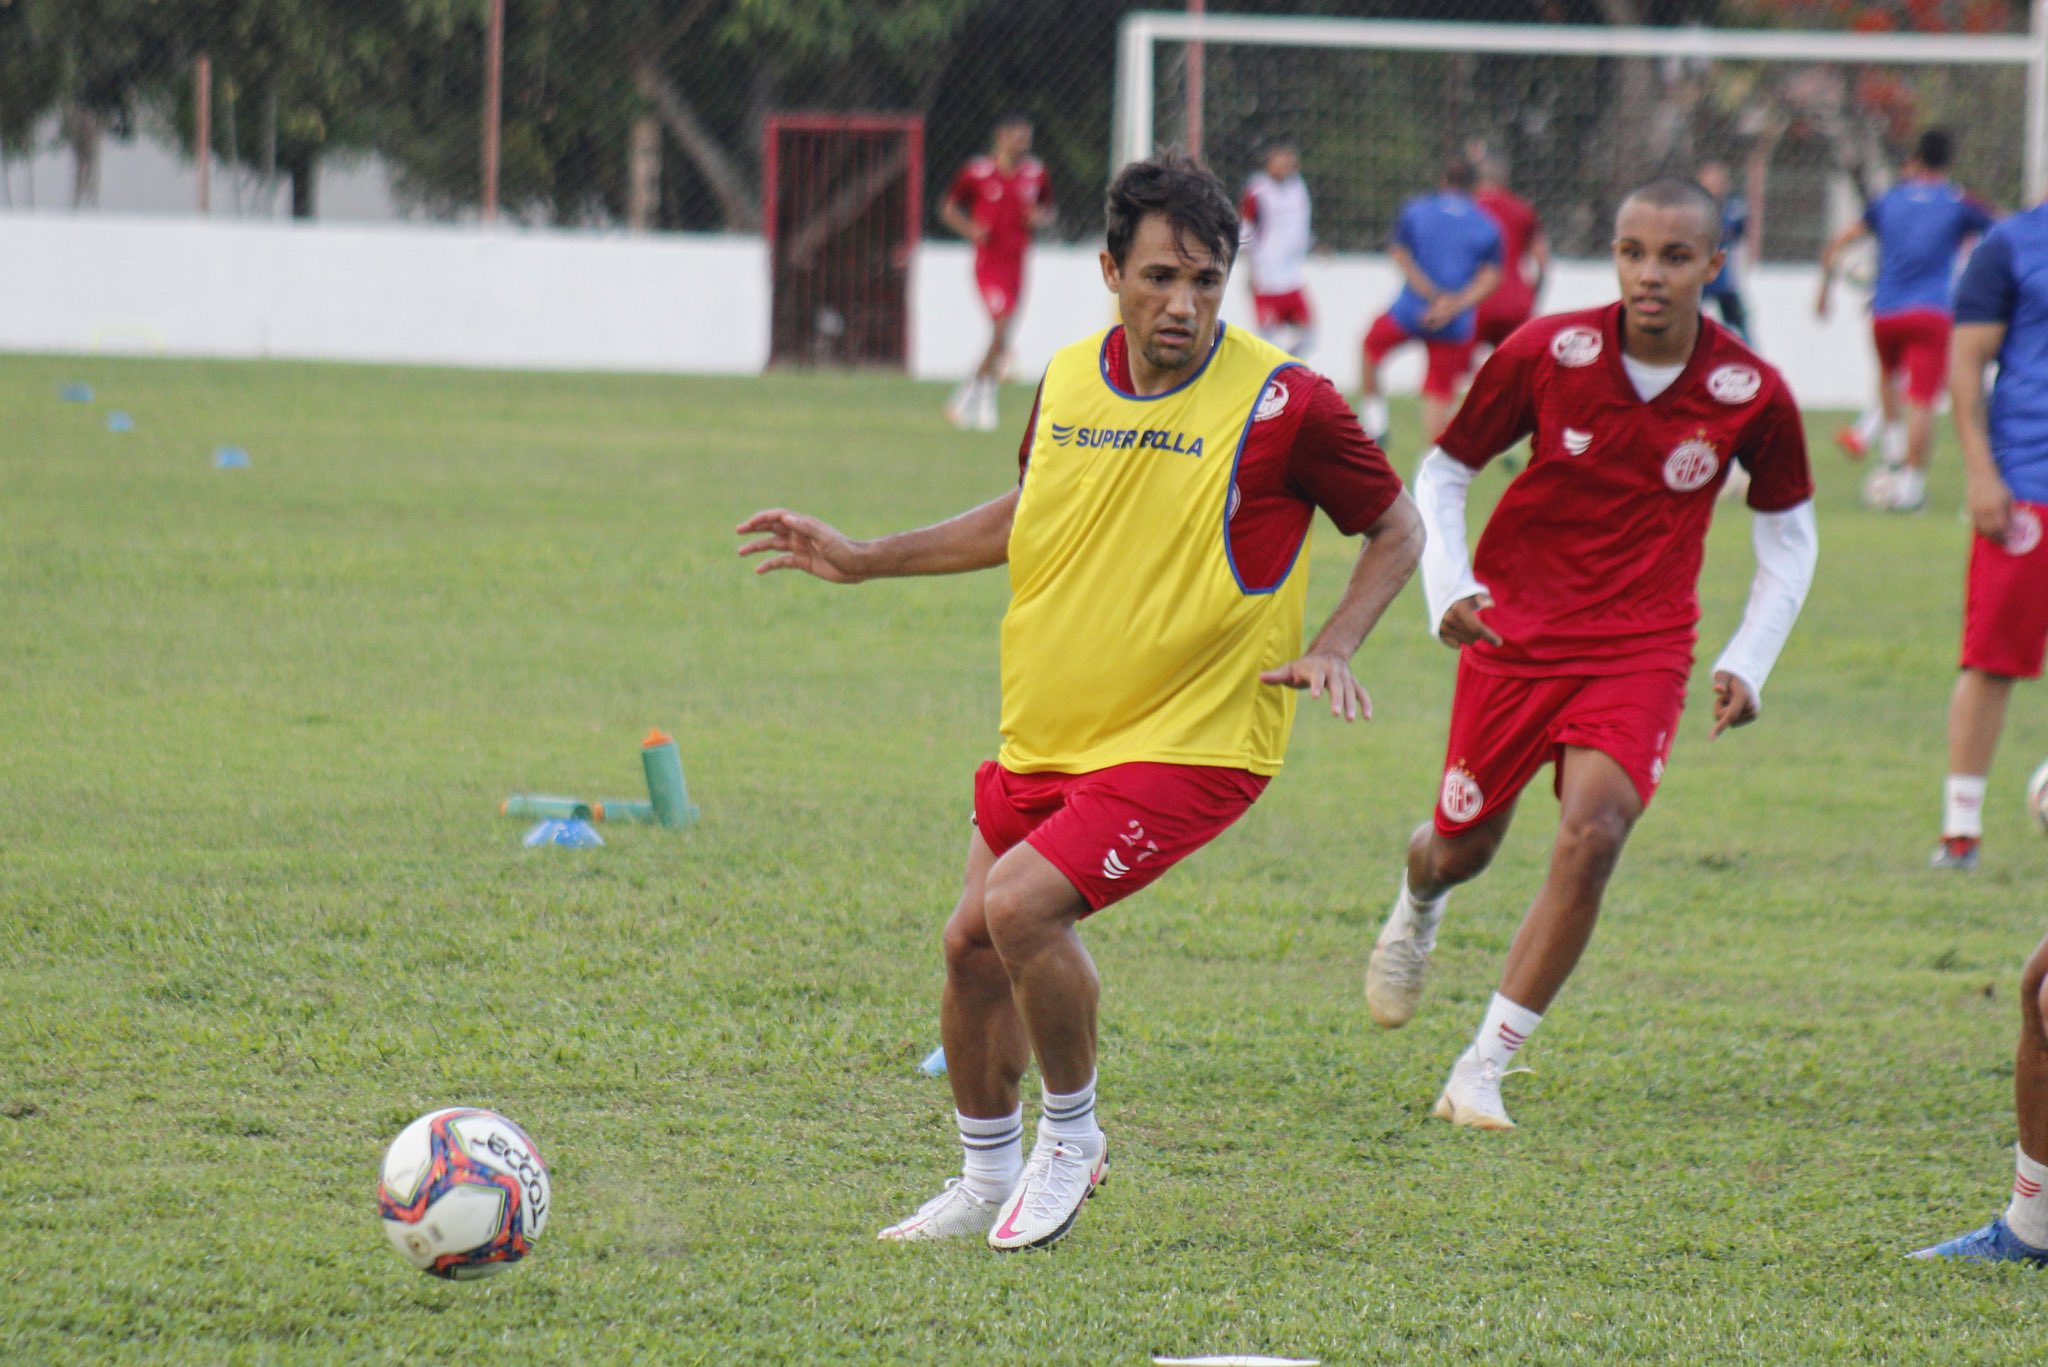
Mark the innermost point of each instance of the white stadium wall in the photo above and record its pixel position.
(515, 297)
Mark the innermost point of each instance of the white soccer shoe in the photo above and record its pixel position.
(1058, 1179)
(960, 407)
(1471, 1094)
(955, 1213)
(985, 408)
(1394, 973)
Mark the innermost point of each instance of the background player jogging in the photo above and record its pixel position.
(1170, 473)
(1449, 255)
(1920, 225)
(1575, 623)
(1277, 238)
(997, 202)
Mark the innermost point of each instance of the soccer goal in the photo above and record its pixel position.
(1579, 113)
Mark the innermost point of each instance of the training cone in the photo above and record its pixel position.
(934, 1064)
(574, 834)
(120, 422)
(230, 458)
(75, 393)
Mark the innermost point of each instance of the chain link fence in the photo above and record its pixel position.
(649, 114)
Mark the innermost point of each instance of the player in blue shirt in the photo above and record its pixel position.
(1448, 251)
(1920, 225)
(2002, 313)
(1724, 290)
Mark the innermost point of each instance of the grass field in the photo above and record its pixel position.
(257, 910)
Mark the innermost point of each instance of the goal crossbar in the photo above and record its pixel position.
(1142, 30)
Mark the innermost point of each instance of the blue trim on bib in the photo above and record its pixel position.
(1102, 364)
(1244, 439)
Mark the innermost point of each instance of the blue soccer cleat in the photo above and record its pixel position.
(1992, 1244)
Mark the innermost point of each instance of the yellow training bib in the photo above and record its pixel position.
(1128, 636)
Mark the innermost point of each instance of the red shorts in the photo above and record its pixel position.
(1447, 360)
(1915, 341)
(1113, 831)
(2005, 614)
(1274, 310)
(1506, 727)
(1000, 284)
(1495, 326)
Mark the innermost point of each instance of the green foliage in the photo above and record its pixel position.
(257, 910)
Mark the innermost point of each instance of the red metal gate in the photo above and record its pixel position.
(843, 214)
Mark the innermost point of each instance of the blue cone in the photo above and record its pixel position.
(120, 422)
(230, 458)
(934, 1064)
(75, 393)
(575, 834)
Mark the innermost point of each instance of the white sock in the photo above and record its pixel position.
(1507, 1027)
(1070, 1116)
(994, 1153)
(1893, 444)
(1867, 425)
(2027, 1216)
(1414, 916)
(1372, 416)
(1962, 806)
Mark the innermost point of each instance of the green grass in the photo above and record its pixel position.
(257, 910)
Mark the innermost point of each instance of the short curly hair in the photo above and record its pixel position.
(1185, 191)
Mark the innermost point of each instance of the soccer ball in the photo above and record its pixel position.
(2037, 797)
(463, 1192)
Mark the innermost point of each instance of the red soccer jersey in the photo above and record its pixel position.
(1518, 224)
(1593, 554)
(1003, 203)
(1305, 450)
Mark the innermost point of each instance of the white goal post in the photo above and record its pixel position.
(1133, 129)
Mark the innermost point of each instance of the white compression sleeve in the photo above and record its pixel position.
(1440, 489)
(1787, 549)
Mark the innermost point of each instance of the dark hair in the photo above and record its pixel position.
(1678, 192)
(1459, 173)
(1936, 148)
(1013, 118)
(1193, 201)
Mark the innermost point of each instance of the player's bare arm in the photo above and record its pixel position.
(1414, 274)
(956, 218)
(975, 540)
(1393, 545)
(1449, 306)
(1971, 349)
(1828, 254)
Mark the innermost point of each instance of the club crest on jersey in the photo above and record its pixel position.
(1461, 798)
(1272, 403)
(1735, 384)
(1691, 465)
(2022, 532)
(1576, 347)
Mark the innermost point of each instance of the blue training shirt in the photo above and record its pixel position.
(1734, 223)
(1920, 226)
(1451, 238)
(2007, 282)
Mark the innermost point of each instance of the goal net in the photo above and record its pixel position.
(1806, 122)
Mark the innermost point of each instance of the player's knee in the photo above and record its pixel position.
(1459, 859)
(1593, 838)
(2034, 991)
(1013, 918)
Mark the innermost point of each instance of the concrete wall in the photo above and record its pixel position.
(589, 301)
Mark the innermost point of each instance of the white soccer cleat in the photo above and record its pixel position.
(985, 408)
(960, 408)
(1471, 1094)
(1373, 417)
(955, 1213)
(1058, 1178)
(1394, 974)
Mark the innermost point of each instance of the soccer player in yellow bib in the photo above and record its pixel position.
(1150, 657)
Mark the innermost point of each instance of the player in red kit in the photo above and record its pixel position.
(1577, 619)
(996, 202)
(1524, 253)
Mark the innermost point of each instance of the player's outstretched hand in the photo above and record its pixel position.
(802, 543)
(1990, 504)
(1462, 624)
(1734, 704)
(1324, 674)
